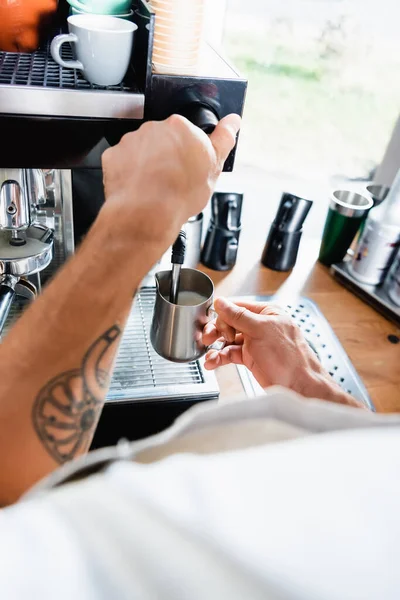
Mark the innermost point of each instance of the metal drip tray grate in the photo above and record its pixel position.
(140, 374)
(34, 84)
(39, 69)
(322, 339)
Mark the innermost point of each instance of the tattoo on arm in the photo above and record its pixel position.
(67, 408)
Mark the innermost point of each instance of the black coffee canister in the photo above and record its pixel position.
(222, 240)
(282, 245)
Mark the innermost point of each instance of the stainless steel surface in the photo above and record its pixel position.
(377, 296)
(14, 201)
(33, 84)
(350, 204)
(378, 193)
(175, 280)
(63, 210)
(57, 215)
(322, 338)
(33, 256)
(176, 329)
(139, 373)
(194, 231)
(375, 251)
(26, 289)
(7, 294)
(36, 186)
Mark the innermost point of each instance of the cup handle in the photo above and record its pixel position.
(55, 48)
(217, 346)
(211, 313)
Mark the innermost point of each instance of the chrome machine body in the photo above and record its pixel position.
(56, 126)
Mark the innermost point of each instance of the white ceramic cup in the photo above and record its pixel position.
(103, 47)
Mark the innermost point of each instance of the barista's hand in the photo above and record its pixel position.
(162, 174)
(264, 339)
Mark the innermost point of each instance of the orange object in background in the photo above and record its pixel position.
(24, 22)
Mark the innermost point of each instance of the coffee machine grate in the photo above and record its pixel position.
(34, 84)
(39, 69)
(323, 341)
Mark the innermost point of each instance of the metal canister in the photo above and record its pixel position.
(392, 285)
(375, 251)
(176, 329)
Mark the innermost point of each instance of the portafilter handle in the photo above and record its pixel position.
(7, 293)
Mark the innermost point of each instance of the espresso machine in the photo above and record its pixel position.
(55, 126)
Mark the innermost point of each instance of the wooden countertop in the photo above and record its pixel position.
(360, 329)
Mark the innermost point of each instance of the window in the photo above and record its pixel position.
(324, 85)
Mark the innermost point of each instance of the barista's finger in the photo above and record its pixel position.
(215, 329)
(223, 138)
(238, 318)
(262, 308)
(239, 339)
(210, 334)
(225, 330)
(209, 328)
(211, 360)
(226, 356)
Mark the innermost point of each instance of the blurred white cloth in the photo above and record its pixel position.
(240, 502)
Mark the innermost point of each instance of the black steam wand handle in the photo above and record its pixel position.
(200, 115)
(177, 259)
(179, 249)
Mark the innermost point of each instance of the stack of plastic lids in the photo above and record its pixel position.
(177, 36)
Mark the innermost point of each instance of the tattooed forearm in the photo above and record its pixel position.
(67, 408)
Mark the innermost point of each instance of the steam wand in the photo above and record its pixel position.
(178, 256)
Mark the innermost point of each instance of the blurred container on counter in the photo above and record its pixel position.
(347, 210)
(378, 244)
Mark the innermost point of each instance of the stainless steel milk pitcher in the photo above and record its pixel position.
(176, 329)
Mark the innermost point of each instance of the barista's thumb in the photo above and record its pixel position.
(238, 317)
